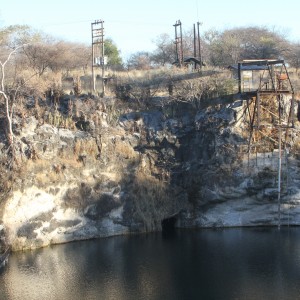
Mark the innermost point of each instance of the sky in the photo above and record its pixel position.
(134, 25)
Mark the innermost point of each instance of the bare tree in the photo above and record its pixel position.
(164, 52)
(6, 98)
(165, 48)
(293, 57)
(139, 61)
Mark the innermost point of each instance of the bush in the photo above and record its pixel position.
(152, 201)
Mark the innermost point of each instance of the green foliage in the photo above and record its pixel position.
(112, 52)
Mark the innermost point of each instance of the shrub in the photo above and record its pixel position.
(152, 201)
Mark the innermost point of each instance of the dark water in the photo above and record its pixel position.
(261, 263)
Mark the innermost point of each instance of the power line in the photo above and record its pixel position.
(109, 21)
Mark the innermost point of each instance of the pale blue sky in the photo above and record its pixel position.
(134, 24)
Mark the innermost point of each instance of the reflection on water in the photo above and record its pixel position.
(261, 263)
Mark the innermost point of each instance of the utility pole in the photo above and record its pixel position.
(181, 43)
(178, 43)
(98, 58)
(195, 46)
(199, 44)
(279, 97)
(279, 176)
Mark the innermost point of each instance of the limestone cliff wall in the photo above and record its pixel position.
(172, 161)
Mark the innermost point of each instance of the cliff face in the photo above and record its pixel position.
(171, 162)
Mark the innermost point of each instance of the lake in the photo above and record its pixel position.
(239, 263)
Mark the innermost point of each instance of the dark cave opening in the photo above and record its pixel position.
(168, 224)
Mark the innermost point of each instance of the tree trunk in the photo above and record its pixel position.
(9, 131)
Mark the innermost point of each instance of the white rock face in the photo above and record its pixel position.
(36, 218)
(243, 212)
(252, 198)
(26, 205)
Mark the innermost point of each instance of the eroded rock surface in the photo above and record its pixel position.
(181, 162)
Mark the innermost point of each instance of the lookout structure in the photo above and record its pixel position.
(269, 93)
(267, 88)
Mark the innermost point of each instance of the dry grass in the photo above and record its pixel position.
(85, 147)
(52, 177)
(125, 150)
(39, 165)
(152, 201)
(46, 172)
(67, 162)
(42, 172)
(7, 178)
(296, 148)
(58, 120)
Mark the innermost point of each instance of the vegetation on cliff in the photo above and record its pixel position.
(157, 143)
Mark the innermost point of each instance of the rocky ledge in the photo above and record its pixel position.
(173, 162)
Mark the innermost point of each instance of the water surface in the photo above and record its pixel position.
(260, 263)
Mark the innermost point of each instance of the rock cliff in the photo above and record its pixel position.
(174, 161)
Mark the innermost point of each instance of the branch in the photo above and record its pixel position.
(4, 63)
(10, 133)
(18, 87)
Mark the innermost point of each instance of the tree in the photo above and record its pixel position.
(261, 42)
(233, 45)
(139, 61)
(5, 97)
(38, 57)
(57, 56)
(293, 57)
(17, 35)
(113, 54)
(165, 48)
(223, 48)
(164, 52)
(16, 78)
